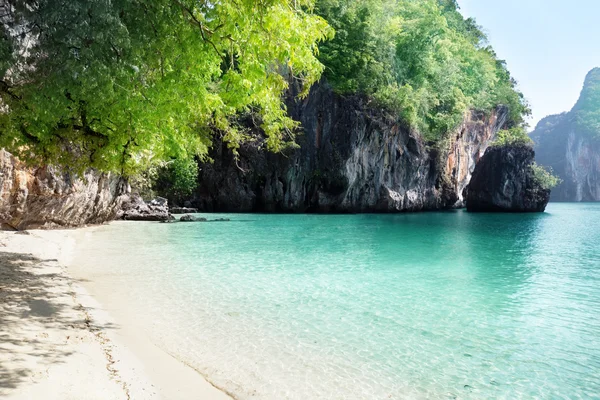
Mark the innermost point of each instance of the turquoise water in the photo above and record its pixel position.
(432, 305)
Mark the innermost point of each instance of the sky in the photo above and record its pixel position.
(549, 46)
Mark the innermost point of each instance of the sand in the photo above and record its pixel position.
(58, 342)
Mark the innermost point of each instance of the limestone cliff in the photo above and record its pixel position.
(352, 157)
(45, 197)
(504, 180)
(569, 143)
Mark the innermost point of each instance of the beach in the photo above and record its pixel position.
(58, 342)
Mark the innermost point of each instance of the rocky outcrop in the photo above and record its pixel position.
(183, 210)
(570, 145)
(47, 197)
(352, 157)
(136, 209)
(504, 181)
(191, 218)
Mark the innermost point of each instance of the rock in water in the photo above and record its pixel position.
(503, 180)
(183, 210)
(187, 218)
(136, 209)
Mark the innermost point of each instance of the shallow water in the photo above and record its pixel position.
(431, 305)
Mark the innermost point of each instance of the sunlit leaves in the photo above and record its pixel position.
(109, 81)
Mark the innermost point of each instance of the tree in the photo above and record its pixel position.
(114, 83)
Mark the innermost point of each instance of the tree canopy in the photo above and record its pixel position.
(420, 58)
(108, 83)
(115, 84)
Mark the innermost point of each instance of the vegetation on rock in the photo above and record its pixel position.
(419, 58)
(513, 136)
(545, 178)
(518, 137)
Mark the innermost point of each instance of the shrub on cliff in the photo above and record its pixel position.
(545, 178)
(514, 136)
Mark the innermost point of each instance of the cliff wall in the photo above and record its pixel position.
(46, 197)
(351, 158)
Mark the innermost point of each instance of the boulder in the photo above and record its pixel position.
(504, 181)
(136, 209)
(191, 218)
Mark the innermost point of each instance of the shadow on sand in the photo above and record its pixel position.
(39, 318)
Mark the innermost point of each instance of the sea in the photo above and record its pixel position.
(435, 305)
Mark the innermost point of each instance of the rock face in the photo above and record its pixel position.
(136, 209)
(504, 181)
(571, 147)
(351, 158)
(46, 197)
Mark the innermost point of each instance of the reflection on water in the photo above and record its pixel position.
(433, 305)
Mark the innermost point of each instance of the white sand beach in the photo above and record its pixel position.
(57, 342)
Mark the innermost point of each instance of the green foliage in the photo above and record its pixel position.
(112, 83)
(144, 182)
(587, 109)
(544, 177)
(177, 180)
(419, 58)
(513, 136)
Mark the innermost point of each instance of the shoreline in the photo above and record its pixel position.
(58, 342)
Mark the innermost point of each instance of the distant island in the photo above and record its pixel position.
(569, 143)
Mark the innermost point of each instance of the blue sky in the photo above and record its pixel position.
(549, 46)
